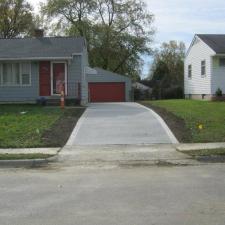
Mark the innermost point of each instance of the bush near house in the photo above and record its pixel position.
(204, 121)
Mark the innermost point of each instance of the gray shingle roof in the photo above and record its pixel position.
(45, 47)
(103, 72)
(214, 41)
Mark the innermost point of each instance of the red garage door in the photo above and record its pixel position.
(106, 92)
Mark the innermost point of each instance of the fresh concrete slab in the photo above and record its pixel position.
(120, 123)
(48, 151)
(123, 154)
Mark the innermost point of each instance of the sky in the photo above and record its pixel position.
(180, 20)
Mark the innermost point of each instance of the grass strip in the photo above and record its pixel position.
(205, 152)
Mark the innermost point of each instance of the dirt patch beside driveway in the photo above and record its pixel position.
(60, 132)
(176, 124)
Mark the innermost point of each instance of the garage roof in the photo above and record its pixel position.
(99, 72)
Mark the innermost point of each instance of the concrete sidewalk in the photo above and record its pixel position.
(124, 154)
(48, 151)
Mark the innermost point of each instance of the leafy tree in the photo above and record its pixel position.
(117, 31)
(167, 70)
(15, 18)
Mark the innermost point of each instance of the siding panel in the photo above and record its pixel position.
(218, 76)
(74, 76)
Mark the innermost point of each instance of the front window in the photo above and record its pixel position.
(25, 73)
(15, 74)
(203, 68)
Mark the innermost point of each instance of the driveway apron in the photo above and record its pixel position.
(120, 123)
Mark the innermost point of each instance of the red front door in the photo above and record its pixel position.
(44, 78)
(58, 78)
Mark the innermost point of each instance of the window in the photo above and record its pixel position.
(203, 68)
(222, 62)
(189, 71)
(25, 73)
(15, 74)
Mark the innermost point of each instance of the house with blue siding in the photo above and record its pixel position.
(45, 67)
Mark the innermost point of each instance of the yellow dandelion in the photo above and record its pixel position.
(200, 126)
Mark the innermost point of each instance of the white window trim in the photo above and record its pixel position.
(55, 62)
(20, 68)
(203, 75)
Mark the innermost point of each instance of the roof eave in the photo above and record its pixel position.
(206, 43)
(36, 58)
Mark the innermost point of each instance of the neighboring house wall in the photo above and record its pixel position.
(106, 76)
(218, 75)
(22, 93)
(198, 85)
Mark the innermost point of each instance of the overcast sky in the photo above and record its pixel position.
(181, 19)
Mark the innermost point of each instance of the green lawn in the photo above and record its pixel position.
(23, 125)
(211, 115)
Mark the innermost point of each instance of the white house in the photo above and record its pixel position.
(205, 66)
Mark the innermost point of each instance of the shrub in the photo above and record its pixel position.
(219, 92)
(141, 95)
(173, 93)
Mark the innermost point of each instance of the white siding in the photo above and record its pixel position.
(218, 75)
(197, 84)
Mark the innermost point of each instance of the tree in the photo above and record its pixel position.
(167, 70)
(72, 15)
(117, 31)
(15, 18)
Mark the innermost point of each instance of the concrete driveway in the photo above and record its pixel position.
(120, 123)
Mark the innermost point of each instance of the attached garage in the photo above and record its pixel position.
(105, 86)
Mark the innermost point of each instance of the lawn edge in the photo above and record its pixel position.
(170, 133)
(199, 146)
(28, 162)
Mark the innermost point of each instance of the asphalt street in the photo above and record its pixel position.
(113, 195)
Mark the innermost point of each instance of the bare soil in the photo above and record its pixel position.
(176, 124)
(60, 132)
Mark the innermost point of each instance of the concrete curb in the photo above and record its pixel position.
(76, 129)
(27, 162)
(172, 137)
(199, 146)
